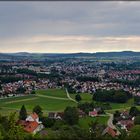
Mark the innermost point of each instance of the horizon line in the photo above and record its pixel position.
(68, 52)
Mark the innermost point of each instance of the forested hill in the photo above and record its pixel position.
(4, 56)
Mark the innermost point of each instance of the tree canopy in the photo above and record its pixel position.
(78, 97)
(118, 96)
(38, 110)
(71, 115)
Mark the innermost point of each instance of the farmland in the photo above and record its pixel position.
(53, 100)
(86, 97)
(49, 100)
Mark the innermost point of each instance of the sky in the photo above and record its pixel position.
(69, 27)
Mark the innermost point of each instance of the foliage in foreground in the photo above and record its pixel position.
(60, 131)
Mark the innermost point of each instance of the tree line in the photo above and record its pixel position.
(118, 96)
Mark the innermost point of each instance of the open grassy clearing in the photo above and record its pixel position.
(121, 106)
(22, 100)
(84, 122)
(17, 99)
(49, 102)
(86, 97)
(46, 104)
(53, 93)
(56, 100)
(129, 103)
(52, 100)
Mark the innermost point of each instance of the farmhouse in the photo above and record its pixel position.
(126, 124)
(56, 115)
(125, 115)
(93, 113)
(32, 124)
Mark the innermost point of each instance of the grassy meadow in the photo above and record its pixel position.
(52, 100)
(46, 102)
(86, 121)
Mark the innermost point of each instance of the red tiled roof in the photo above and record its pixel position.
(34, 115)
(111, 132)
(128, 123)
(93, 113)
(30, 126)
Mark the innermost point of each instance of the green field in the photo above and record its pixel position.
(86, 97)
(56, 100)
(84, 122)
(49, 100)
(121, 106)
(53, 92)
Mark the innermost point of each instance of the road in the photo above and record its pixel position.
(111, 125)
(70, 97)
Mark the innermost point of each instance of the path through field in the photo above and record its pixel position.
(52, 97)
(70, 97)
(9, 102)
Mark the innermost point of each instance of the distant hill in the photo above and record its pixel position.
(26, 55)
(99, 54)
(117, 54)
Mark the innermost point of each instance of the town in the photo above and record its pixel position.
(90, 89)
(78, 76)
(69, 70)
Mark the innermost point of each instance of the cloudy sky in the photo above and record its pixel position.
(56, 27)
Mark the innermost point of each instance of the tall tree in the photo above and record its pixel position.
(134, 111)
(38, 110)
(23, 113)
(78, 97)
(0, 87)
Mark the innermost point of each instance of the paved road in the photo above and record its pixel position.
(70, 97)
(111, 125)
(109, 122)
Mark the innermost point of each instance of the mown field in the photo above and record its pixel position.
(53, 92)
(122, 106)
(49, 100)
(86, 97)
(56, 100)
